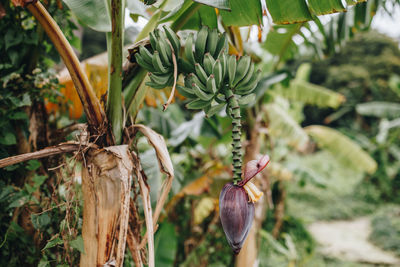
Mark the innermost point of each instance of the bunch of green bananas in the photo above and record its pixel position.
(213, 79)
(214, 71)
(159, 62)
(208, 69)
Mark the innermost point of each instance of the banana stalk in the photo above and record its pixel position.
(234, 109)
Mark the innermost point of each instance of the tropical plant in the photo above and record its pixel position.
(110, 216)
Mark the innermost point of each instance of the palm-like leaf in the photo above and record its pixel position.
(379, 109)
(282, 125)
(312, 94)
(345, 150)
(292, 11)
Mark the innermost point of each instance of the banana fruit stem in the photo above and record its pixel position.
(236, 133)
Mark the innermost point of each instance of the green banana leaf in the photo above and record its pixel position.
(94, 14)
(318, 7)
(243, 13)
(165, 245)
(345, 150)
(282, 125)
(293, 11)
(379, 109)
(220, 4)
(312, 94)
(279, 41)
(204, 16)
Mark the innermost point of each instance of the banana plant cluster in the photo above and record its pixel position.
(213, 79)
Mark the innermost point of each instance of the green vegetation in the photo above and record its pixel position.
(386, 229)
(324, 106)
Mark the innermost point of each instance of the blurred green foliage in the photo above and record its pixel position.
(320, 188)
(363, 71)
(386, 229)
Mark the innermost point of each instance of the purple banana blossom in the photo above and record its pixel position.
(236, 205)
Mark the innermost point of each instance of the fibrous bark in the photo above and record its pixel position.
(106, 183)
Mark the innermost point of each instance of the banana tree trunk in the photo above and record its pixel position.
(106, 184)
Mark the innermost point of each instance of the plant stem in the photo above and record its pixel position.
(134, 92)
(236, 133)
(114, 99)
(91, 104)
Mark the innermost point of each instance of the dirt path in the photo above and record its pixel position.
(348, 240)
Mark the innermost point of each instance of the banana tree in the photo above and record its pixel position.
(213, 80)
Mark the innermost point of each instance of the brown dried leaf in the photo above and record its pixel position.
(158, 142)
(145, 192)
(198, 186)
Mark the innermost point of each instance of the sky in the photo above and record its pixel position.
(388, 25)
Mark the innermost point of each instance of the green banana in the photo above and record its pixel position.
(184, 66)
(160, 78)
(241, 69)
(214, 109)
(155, 85)
(231, 69)
(189, 49)
(210, 85)
(248, 76)
(212, 41)
(165, 52)
(145, 54)
(200, 73)
(200, 93)
(223, 58)
(157, 64)
(194, 79)
(143, 63)
(153, 39)
(222, 44)
(188, 81)
(197, 104)
(250, 86)
(186, 92)
(174, 40)
(217, 71)
(208, 63)
(247, 99)
(163, 39)
(200, 44)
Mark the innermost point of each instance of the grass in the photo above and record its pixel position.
(312, 203)
(322, 261)
(337, 195)
(386, 229)
(333, 197)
